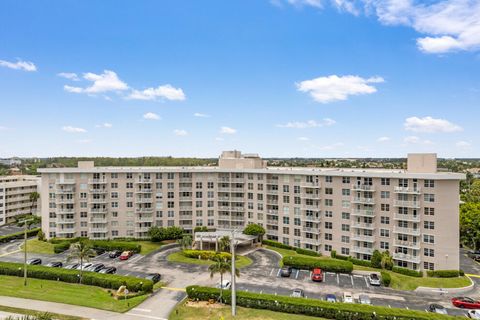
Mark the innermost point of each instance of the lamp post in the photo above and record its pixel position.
(25, 222)
(234, 293)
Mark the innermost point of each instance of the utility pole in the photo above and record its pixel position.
(25, 250)
(234, 293)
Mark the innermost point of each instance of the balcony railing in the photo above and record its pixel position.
(407, 190)
(406, 257)
(407, 204)
(363, 200)
(65, 181)
(144, 200)
(315, 196)
(310, 185)
(407, 217)
(315, 242)
(65, 211)
(272, 232)
(144, 191)
(98, 210)
(143, 210)
(63, 191)
(98, 190)
(272, 222)
(362, 250)
(363, 213)
(65, 221)
(363, 187)
(97, 230)
(98, 220)
(358, 237)
(312, 219)
(144, 180)
(311, 230)
(145, 219)
(410, 231)
(362, 225)
(64, 200)
(97, 181)
(65, 230)
(101, 200)
(407, 244)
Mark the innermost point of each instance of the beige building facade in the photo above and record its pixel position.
(413, 213)
(15, 197)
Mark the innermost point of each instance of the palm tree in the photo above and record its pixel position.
(185, 242)
(387, 260)
(221, 266)
(34, 196)
(224, 243)
(82, 251)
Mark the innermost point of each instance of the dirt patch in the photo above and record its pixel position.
(204, 304)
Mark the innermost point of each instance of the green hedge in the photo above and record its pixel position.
(443, 273)
(407, 272)
(61, 247)
(69, 240)
(331, 265)
(109, 281)
(340, 257)
(110, 245)
(359, 262)
(307, 252)
(312, 307)
(19, 235)
(386, 278)
(206, 255)
(287, 247)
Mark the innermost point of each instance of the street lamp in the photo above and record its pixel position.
(25, 222)
(234, 293)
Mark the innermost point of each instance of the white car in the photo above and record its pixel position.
(474, 314)
(364, 299)
(374, 279)
(347, 297)
(224, 285)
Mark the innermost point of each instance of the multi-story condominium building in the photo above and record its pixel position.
(413, 213)
(15, 197)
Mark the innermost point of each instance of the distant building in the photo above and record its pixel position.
(413, 213)
(11, 162)
(475, 172)
(15, 196)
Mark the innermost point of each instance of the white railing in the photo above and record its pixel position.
(406, 257)
(362, 250)
(359, 212)
(363, 200)
(407, 204)
(411, 231)
(363, 187)
(407, 217)
(410, 190)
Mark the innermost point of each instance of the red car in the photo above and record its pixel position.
(317, 275)
(465, 302)
(125, 255)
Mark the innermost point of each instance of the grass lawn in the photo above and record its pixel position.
(200, 310)
(149, 246)
(34, 313)
(241, 261)
(36, 246)
(69, 293)
(399, 281)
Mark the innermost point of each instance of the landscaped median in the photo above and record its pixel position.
(205, 257)
(311, 307)
(19, 235)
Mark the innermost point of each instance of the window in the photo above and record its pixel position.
(384, 220)
(286, 230)
(385, 194)
(328, 236)
(286, 220)
(384, 207)
(429, 225)
(345, 251)
(328, 190)
(346, 180)
(346, 204)
(170, 175)
(428, 266)
(328, 225)
(427, 238)
(328, 247)
(428, 252)
(429, 197)
(114, 185)
(385, 181)
(328, 179)
(129, 175)
(384, 245)
(384, 233)
(429, 184)
(328, 214)
(429, 211)
(114, 175)
(345, 239)
(297, 232)
(286, 188)
(346, 215)
(345, 192)
(345, 227)
(328, 202)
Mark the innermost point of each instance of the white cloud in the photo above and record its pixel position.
(2, 128)
(383, 139)
(19, 65)
(108, 81)
(71, 129)
(331, 146)
(335, 88)
(303, 139)
(151, 116)
(161, 92)
(180, 132)
(104, 125)
(430, 125)
(463, 145)
(219, 139)
(201, 115)
(308, 124)
(69, 75)
(84, 141)
(416, 140)
(311, 3)
(227, 130)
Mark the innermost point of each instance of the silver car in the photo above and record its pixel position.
(364, 299)
(374, 279)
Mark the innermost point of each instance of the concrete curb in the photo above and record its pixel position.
(446, 290)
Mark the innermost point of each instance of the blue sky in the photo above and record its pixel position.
(281, 78)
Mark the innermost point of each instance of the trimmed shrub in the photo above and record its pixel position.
(254, 230)
(19, 235)
(407, 272)
(330, 265)
(461, 273)
(340, 257)
(206, 255)
(69, 240)
(277, 244)
(110, 245)
(61, 247)
(359, 262)
(312, 307)
(307, 252)
(386, 278)
(376, 260)
(108, 281)
(443, 273)
(41, 235)
(158, 234)
(333, 254)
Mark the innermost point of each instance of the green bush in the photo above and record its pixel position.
(341, 257)
(277, 244)
(158, 234)
(376, 259)
(312, 307)
(307, 252)
(108, 281)
(61, 247)
(206, 255)
(359, 262)
(333, 254)
(200, 229)
(19, 235)
(110, 245)
(443, 273)
(69, 240)
(330, 265)
(407, 272)
(254, 230)
(461, 273)
(386, 278)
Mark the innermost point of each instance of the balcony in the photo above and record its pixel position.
(363, 213)
(362, 225)
(362, 200)
(186, 179)
(99, 191)
(144, 191)
(314, 196)
(142, 229)
(311, 230)
(185, 217)
(65, 211)
(362, 250)
(314, 185)
(406, 257)
(407, 217)
(187, 198)
(101, 200)
(185, 189)
(185, 208)
(65, 231)
(407, 190)
(97, 230)
(144, 180)
(272, 191)
(271, 201)
(224, 189)
(312, 219)
(237, 199)
(145, 219)
(65, 221)
(359, 237)
(186, 226)
(410, 231)
(144, 200)
(143, 210)
(407, 244)
(237, 218)
(238, 180)
(363, 187)
(313, 207)
(64, 201)
(237, 209)
(98, 220)
(65, 191)
(272, 232)
(65, 181)
(272, 181)
(407, 204)
(272, 222)
(98, 210)
(97, 181)
(315, 242)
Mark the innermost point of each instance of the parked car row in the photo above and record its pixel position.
(347, 297)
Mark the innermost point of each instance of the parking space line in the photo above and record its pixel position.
(141, 310)
(278, 273)
(145, 316)
(351, 278)
(338, 280)
(358, 276)
(271, 271)
(366, 282)
(296, 276)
